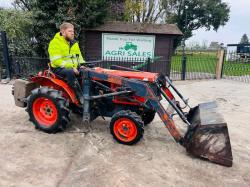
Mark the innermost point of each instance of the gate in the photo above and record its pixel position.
(236, 66)
(191, 65)
(17, 67)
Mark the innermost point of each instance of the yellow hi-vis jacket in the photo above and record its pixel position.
(63, 53)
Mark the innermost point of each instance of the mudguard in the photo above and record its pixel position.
(57, 84)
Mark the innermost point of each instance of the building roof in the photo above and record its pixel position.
(126, 27)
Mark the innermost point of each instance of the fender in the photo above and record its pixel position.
(58, 85)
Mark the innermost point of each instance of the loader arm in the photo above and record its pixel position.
(141, 89)
(206, 137)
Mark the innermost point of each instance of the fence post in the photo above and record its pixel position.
(183, 67)
(148, 64)
(220, 57)
(6, 57)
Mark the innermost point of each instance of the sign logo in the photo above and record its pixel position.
(128, 46)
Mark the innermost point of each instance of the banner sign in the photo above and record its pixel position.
(128, 46)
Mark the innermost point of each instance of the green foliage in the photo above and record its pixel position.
(116, 10)
(195, 14)
(188, 15)
(145, 11)
(48, 15)
(17, 25)
(23, 4)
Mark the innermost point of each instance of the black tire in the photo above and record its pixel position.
(148, 117)
(57, 108)
(134, 120)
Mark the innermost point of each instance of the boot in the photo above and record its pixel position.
(78, 91)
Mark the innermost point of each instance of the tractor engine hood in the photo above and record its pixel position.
(144, 76)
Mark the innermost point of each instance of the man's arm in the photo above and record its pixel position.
(81, 60)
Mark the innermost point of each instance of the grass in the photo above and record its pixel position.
(236, 69)
(205, 62)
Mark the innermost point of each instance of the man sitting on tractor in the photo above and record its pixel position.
(66, 57)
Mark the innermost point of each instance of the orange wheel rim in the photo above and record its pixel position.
(125, 129)
(45, 111)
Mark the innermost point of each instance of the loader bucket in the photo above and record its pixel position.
(207, 136)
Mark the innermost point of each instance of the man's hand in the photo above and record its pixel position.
(76, 71)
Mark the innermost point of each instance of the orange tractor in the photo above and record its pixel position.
(131, 98)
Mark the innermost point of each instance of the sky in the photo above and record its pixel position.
(232, 32)
(239, 24)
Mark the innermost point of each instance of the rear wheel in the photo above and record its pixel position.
(48, 110)
(126, 127)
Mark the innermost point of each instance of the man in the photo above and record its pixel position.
(66, 57)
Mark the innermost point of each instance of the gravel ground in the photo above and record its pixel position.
(86, 155)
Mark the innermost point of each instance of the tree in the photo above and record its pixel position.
(48, 15)
(23, 4)
(17, 25)
(116, 10)
(244, 39)
(188, 15)
(196, 14)
(214, 46)
(145, 11)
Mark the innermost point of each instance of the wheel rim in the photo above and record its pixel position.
(45, 111)
(125, 129)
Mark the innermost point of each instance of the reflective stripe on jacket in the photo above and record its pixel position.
(63, 54)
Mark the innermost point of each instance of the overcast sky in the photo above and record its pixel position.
(232, 32)
(238, 24)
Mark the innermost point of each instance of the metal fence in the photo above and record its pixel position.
(134, 63)
(198, 65)
(143, 64)
(191, 65)
(23, 67)
(187, 65)
(236, 66)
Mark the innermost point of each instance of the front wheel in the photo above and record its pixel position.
(127, 127)
(48, 110)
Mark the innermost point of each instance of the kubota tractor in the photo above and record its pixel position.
(131, 98)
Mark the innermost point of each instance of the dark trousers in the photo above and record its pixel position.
(66, 73)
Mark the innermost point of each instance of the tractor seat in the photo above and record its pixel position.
(51, 73)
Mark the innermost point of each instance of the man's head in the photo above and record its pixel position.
(67, 31)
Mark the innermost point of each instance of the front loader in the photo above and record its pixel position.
(131, 98)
